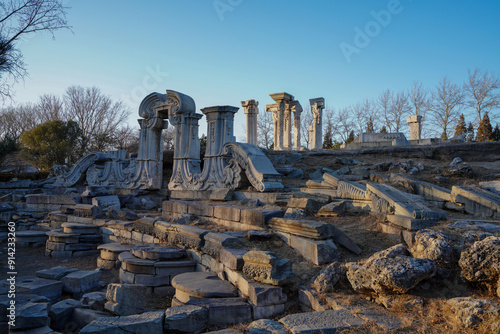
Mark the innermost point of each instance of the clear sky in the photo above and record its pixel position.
(224, 51)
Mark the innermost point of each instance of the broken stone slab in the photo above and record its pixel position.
(401, 203)
(328, 277)
(477, 201)
(315, 230)
(87, 211)
(190, 236)
(95, 300)
(309, 300)
(351, 190)
(295, 213)
(144, 225)
(224, 311)
(489, 226)
(158, 253)
(333, 209)
(319, 184)
(106, 202)
(332, 193)
(258, 217)
(201, 285)
(232, 258)
(221, 195)
(21, 298)
(60, 313)
(28, 238)
(266, 267)
(93, 191)
(428, 190)
(327, 322)
(51, 289)
(31, 315)
(304, 204)
(110, 251)
(55, 273)
(410, 223)
(84, 316)
(5, 207)
(316, 251)
(332, 178)
(266, 326)
(144, 323)
(493, 186)
(125, 299)
(75, 228)
(185, 319)
(79, 282)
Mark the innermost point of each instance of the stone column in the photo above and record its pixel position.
(415, 123)
(220, 121)
(297, 110)
(282, 119)
(251, 110)
(317, 106)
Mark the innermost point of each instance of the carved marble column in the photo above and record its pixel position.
(282, 120)
(297, 110)
(415, 123)
(317, 106)
(251, 110)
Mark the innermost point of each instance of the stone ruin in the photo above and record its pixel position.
(196, 245)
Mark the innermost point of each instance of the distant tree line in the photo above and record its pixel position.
(55, 130)
(447, 110)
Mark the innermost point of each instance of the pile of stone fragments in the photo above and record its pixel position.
(193, 251)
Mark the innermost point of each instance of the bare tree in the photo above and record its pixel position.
(384, 106)
(169, 138)
(483, 92)
(16, 120)
(97, 116)
(400, 108)
(306, 119)
(342, 122)
(448, 99)
(265, 130)
(50, 108)
(20, 18)
(126, 138)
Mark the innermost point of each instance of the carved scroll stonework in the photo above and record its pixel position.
(227, 164)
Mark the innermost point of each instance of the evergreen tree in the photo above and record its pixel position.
(496, 133)
(383, 130)
(485, 130)
(351, 137)
(461, 127)
(470, 133)
(327, 141)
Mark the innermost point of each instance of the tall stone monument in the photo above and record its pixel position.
(316, 129)
(251, 108)
(415, 123)
(297, 110)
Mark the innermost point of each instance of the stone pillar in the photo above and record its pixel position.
(220, 121)
(415, 123)
(282, 120)
(317, 106)
(297, 110)
(251, 110)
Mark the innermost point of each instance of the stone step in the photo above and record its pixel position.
(80, 228)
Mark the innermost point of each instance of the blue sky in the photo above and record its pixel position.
(224, 51)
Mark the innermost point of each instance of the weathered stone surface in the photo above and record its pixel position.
(471, 311)
(434, 245)
(185, 319)
(152, 252)
(110, 251)
(125, 299)
(327, 322)
(95, 300)
(221, 195)
(477, 201)
(203, 285)
(107, 202)
(51, 289)
(315, 230)
(74, 228)
(189, 236)
(333, 209)
(144, 323)
(79, 282)
(427, 190)
(266, 267)
(309, 300)
(31, 315)
(84, 316)
(227, 213)
(60, 313)
(390, 271)
(224, 311)
(266, 326)
(304, 204)
(481, 261)
(493, 186)
(295, 213)
(55, 273)
(489, 226)
(259, 217)
(351, 190)
(329, 276)
(232, 258)
(316, 251)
